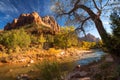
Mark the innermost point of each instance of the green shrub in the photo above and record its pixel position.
(34, 39)
(66, 38)
(15, 38)
(88, 45)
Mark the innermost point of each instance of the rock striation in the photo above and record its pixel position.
(26, 19)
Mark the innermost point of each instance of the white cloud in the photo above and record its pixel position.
(7, 7)
(7, 17)
(2, 6)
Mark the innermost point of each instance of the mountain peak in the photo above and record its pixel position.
(90, 38)
(29, 18)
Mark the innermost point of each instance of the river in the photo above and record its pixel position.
(89, 58)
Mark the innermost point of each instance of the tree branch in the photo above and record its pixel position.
(88, 10)
(81, 27)
(77, 2)
(95, 5)
(85, 8)
(85, 21)
(92, 15)
(101, 5)
(106, 4)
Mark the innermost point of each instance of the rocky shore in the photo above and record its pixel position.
(41, 55)
(101, 70)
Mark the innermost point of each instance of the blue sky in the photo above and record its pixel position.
(10, 9)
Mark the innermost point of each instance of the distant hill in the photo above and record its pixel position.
(90, 38)
(36, 22)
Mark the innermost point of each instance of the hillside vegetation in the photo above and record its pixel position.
(12, 40)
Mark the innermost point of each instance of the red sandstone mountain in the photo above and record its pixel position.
(26, 19)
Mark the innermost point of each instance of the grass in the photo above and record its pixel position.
(50, 70)
(54, 70)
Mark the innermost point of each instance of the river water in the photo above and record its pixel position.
(89, 58)
(10, 71)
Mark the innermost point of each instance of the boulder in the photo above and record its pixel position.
(85, 78)
(23, 77)
(28, 65)
(10, 70)
(109, 59)
(77, 68)
(83, 73)
(31, 61)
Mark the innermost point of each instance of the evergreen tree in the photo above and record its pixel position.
(115, 40)
(115, 24)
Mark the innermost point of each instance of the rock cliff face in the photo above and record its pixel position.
(25, 19)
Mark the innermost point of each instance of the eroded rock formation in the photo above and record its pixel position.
(25, 19)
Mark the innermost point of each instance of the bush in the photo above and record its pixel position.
(66, 38)
(53, 51)
(50, 70)
(88, 45)
(15, 38)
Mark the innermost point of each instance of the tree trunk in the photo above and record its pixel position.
(96, 19)
(105, 38)
(101, 30)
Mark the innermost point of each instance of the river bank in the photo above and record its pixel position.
(35, 55)
(105, 69)
(68, 60)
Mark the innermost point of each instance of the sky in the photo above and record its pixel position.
(10, 9)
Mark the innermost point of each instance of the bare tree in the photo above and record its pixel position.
(80, 12)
